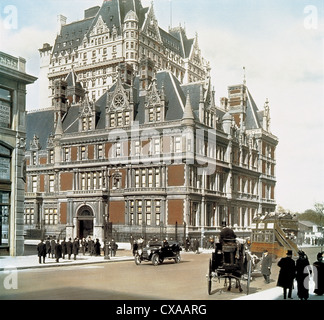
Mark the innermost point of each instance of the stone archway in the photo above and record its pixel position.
(85, 218)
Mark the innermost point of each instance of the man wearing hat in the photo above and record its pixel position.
(287, 274)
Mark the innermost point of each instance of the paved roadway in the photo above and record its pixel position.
(119, 281)
(126, 281)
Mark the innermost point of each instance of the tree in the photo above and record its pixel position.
(315, 215)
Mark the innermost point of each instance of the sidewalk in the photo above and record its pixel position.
(31, 261)
(276, 293)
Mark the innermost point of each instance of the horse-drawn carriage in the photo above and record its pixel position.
(230, 261)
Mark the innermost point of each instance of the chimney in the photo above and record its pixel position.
(61, 21)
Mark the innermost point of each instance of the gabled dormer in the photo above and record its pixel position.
(151, 26)
(119, 104)
(155, 106)
(88, 115)
(207, 106)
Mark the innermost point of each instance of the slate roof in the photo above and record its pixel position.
(41, 124)
(112, 12)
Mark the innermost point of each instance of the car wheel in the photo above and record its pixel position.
(137, 260)
(177, 259)
(155, 259)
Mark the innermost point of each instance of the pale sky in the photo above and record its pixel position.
(279, 42)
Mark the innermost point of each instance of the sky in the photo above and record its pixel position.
(279, 42)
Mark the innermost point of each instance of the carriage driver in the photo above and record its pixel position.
(226, 234)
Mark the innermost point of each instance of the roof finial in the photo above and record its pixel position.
(244, 76)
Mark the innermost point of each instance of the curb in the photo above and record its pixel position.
(63, 264)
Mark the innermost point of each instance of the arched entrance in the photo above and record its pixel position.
(85, 222)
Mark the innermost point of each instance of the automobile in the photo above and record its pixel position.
(157, 252)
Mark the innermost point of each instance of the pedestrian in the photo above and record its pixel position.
(48, 247)
(53, 242)
(58, 250)
(135, 247)
(41, 249)
(266, 263)
(286, 274)
(319, 274)
(75, 247)
(69, 248)
(187, 246)
(83, 246)
(113, 247)
(64, 248)
(91, 246)
(196, 246)
(97, 246)
(303, 272)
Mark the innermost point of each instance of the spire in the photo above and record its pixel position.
(188, 114)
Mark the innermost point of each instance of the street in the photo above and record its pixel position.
(126, 281)
(119, 281)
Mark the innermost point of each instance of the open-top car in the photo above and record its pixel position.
(158, 251)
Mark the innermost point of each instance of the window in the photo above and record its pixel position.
(139, 211)
(157, 178)
(156, 146)
(4, 217)
(51, 183)
(137, 178)
(82, 153)
(150, 178)
(157, 212)
(34, 184)
(131, 212)
(29, 216)
(112, 120)
(51, 156)
(143, 174)
(5, 107)
(66, 153)
(127, 118)
(5, 164)
(137, 148)
(83, 181)
(34, 158)
(118, 149)
(148, 212)
(100, 152)
(177, 144)
(51, 216)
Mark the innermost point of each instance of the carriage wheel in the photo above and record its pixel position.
(155, 259)
(137, 260)
(209, 280)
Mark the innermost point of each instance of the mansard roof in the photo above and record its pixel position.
(71, 36)
(113, 13)
(41, 124)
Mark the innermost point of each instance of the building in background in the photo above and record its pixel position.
(13, 81)
(118, 31)
(134, 136)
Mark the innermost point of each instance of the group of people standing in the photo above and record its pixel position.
(301, 270)
(60, 249)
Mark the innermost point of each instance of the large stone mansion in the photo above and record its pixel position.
(133, 140)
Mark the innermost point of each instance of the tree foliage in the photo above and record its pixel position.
(315, 215)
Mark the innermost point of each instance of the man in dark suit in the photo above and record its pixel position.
(266, 263)
(41, 249)
(58, 250)
(287, 274)
(69, 247)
